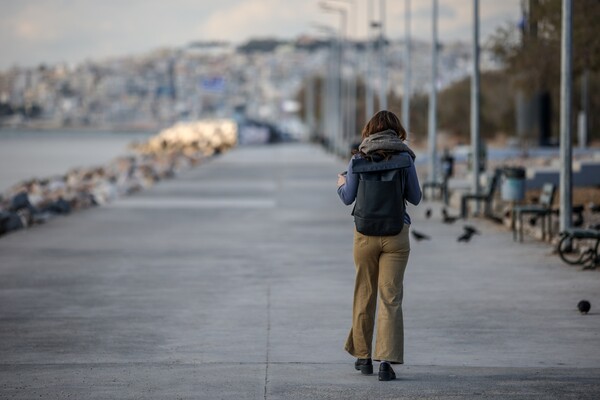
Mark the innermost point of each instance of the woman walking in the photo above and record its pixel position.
(381, 177)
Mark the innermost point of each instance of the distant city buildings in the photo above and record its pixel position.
(260, 79)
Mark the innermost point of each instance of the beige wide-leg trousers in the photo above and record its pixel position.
(380, 264)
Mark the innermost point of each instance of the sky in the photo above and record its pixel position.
(53, 31)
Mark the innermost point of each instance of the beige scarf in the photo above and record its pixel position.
(384, 141)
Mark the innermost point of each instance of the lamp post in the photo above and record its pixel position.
(328, 121)
(369, 106)
(338, 94)
(475, 102)
(407, 71)
(309, 104)
(433, 96)
(566, 184)
(350, 131)
(382, 58)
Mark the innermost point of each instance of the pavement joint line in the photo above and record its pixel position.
(190, 203)
(191, 364)
(188, 364)
(268, 339)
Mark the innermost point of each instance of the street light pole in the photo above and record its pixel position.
(353, 82)
(330, 99)
(382, 58)
(475, 99)
(566, 184)
(350, 131)
(328, 119)
(433, 96)
(338, 139)
(407, 71)
(369, 49)
(309, 103)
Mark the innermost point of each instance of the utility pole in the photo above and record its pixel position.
(433, 96)
(566, 184)
(475, 99)
(407, 71)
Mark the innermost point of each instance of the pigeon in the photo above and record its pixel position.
(465, 237)
(449, 220)
(446, 218)
(471, 229)
(468, 233)
(584, 306)
(428, 213)
(419, 236)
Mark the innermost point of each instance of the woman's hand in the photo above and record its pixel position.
(341, 180)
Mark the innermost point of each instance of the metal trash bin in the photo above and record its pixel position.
(513, 185)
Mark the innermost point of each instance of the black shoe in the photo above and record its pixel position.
(386, 373)
(364, 365)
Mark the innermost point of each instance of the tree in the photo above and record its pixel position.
(531, 54)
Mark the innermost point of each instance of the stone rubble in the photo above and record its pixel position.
(163, 156)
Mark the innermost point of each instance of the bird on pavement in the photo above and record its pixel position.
(446, 218)
(584, 306)
(471, 229)
(419, 236)
(468, 233)
(428, 213)
(465, 237)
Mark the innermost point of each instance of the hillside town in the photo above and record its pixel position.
(259, 79)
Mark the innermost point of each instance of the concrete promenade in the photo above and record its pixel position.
(235, 281)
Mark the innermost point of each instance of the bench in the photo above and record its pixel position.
(487, 197)
(571, 250)
(542, 209)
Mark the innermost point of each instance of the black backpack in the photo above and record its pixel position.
(380, 205)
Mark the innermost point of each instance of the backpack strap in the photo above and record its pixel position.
(362, 165)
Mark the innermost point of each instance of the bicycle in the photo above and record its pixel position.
(574, 247)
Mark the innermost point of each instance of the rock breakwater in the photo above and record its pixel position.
(163, 156)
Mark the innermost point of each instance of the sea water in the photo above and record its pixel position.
(39, 154)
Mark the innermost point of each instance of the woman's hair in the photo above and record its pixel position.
(382, 121)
